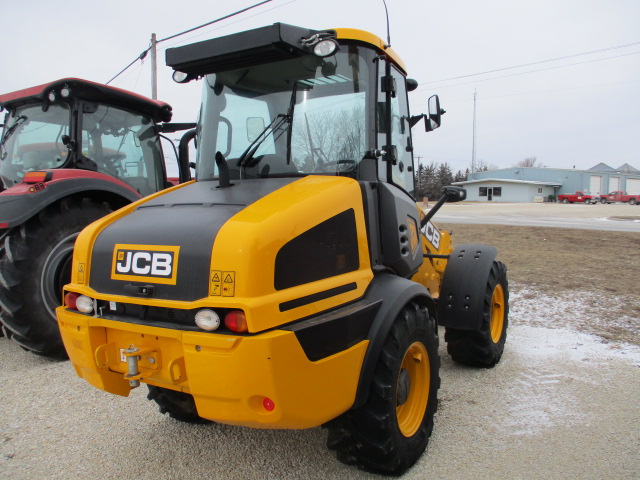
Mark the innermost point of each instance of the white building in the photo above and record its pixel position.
(531, 184)
(504, 190)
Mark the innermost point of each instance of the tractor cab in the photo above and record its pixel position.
(76, 124)
(288, 101)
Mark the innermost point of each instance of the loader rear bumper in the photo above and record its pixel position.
(229, 376)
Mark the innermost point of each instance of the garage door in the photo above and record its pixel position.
(633, 186)
(614, 184)
(595, 186)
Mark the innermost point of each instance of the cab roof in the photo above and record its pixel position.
(262, 45)
(90, 91)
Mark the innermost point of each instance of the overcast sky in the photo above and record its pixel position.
(576, 111)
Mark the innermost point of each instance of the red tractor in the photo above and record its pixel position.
(71, 152)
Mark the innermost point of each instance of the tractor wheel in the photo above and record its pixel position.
(484, 347)
(35, 267)
(390, 431)
(178, 405)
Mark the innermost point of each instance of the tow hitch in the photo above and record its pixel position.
(140, 363)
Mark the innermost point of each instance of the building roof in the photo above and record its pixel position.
(626, 168)
(601, 167)
(504, 180)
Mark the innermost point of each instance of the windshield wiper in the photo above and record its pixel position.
(275, 124)
(292, 105)
(9, 131)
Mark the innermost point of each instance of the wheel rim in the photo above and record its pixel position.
(497, 313)
(57, 273)
(412, 391)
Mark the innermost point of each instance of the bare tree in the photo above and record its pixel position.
(529, 162)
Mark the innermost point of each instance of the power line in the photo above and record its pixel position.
(144, 53)
(527, 72)
(244, 18)
(139, 57)
(536, 92)
(215, 21)
(538, 63)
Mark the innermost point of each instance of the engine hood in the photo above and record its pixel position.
(162, 249)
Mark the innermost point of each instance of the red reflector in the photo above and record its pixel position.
(268, 404)
(236, 321)
(4, 225)
(70, 300)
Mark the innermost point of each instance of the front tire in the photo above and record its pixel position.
(484, 347)
(391, 430)
(178, 405)
(35, 267)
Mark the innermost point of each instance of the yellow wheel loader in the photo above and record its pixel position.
(295, 282)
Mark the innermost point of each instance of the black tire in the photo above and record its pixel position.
(632, 201)
(565, 200)
(178, 405)
(35, 267)
(484, 347)
(391, 430)
(603, 201)
(3, 333)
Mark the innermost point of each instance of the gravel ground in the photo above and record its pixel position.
(559, 405)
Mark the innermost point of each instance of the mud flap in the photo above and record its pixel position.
(463, 287)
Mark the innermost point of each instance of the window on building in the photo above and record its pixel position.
(539, 189)
(482, 192)
(497, 191)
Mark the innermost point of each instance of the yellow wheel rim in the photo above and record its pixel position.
(497, 313)
(415, 376)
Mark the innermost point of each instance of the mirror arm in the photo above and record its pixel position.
(416, 118)
(451, 194)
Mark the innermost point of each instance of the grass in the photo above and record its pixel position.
(603, 267)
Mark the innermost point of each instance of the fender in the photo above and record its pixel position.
(462, 293)
(396, 292)
(21, 202)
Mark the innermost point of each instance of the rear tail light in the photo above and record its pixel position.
(70, 300)
(236, 321)
(81, 303)
(84, 304)
(207, 320)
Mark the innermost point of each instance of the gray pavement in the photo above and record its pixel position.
(614, 217)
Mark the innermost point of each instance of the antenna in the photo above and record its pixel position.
(388, 31)
(473, 148)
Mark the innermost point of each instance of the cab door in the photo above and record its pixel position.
(399, 220)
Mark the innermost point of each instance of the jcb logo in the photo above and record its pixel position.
(154, 263)
(432, 234)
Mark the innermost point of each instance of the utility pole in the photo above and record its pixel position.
(473, 148)
(154, 68)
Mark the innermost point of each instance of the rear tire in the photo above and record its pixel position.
(391, 430)
(35, 267)
(564, 200)
(484, 347)
(178, 405)
(632, 201)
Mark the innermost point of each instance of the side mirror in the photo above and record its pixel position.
(454, 194)
(67, 142)
(434, 118)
